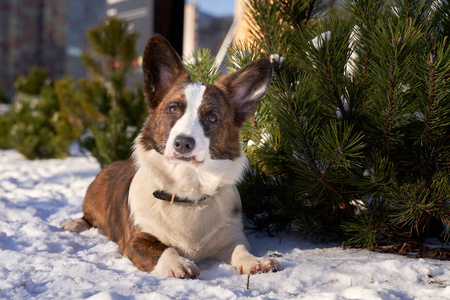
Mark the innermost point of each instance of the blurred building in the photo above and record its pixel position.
(46, 33)
(52, 33)
(242, 30)
(179, 21)
(205, 30)
(81, 15)
(140, 14)
(148, 17)
(190, 40)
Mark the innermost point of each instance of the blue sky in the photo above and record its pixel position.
(217, 7)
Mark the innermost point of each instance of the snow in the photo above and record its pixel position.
(323, 37)
(38, 260)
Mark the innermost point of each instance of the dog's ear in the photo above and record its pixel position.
(246, 86)
(161, 66)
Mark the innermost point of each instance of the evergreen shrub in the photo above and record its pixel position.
(111, 112)
(37, 130)
(352, 139)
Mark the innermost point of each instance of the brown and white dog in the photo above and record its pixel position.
(176, 203)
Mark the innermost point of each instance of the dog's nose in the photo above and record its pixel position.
(184, 144)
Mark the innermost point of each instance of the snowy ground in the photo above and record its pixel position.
(40, 261)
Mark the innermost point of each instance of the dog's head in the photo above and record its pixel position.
(195, 123)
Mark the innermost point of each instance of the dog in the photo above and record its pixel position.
(175, 201)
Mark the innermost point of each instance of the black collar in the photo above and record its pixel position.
(161, 195)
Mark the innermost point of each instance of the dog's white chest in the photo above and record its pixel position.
(196, 231)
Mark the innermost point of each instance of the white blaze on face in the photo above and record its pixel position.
(189, 125)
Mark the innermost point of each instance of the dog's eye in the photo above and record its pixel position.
(212, 118)
(173, 109)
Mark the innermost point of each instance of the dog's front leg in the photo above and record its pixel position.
(149, 254)
(246, 263)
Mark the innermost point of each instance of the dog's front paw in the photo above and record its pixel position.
(246, 263)
(184, 269)
(256, 265)
(171, 264)
(77, 225)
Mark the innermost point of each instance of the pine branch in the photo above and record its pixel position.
(333, 90)
(201, 66)
(392, 86)
(432, 76)
(364, 68)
